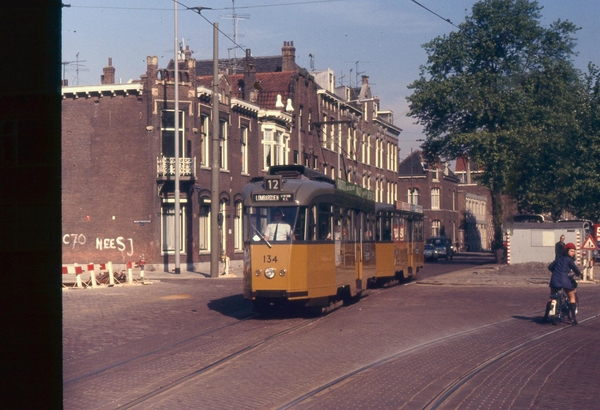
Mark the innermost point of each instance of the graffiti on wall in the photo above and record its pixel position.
(120, 243)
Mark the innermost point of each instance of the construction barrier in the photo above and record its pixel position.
(76, 270)
(100, 275)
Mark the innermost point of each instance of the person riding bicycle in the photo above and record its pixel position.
(561, 279)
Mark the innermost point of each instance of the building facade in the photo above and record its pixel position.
(118, 149)
(436, 189)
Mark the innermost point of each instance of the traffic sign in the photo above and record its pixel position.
(597, 231)
(590, 244)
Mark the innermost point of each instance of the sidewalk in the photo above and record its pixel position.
(495, 275)
(202, 272)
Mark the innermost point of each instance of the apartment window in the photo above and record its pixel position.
(368, 150)
(435, 227)
(238, 242)
(167, 134)
(436, 175)
(244, 148)
(204, 141)
(332, 137)
(223, 144)
(413, 196)
(223, 212)
(435, 198)
(275, 147)
(168, 226)
(324, 134)
(363, 149)
(204, 233)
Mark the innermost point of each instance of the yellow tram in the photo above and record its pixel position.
(311, 241)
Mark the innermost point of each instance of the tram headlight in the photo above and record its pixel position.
(282, 272)
(257, 272)
(270, 273)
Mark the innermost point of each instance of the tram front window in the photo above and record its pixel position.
(273, 224)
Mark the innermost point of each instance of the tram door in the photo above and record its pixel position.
(365, 244)
(410, 242)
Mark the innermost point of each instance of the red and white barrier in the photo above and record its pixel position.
(76, 270)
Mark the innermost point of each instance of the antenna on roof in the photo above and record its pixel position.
(358, 73)
(77, 64)
(312, 62)
(235, 17)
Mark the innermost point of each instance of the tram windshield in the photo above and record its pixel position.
(272, 224)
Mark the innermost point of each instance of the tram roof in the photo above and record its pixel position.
(299, 186)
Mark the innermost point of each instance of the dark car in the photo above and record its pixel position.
(443, 246)
(430, 253)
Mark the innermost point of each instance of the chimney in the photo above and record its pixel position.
(109, 73)
(365, 79)
(249, 75)
(288, 52)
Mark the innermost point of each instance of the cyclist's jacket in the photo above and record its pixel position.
(560, 274)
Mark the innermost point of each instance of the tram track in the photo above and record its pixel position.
(442, 397)
(158, 351)
(220, 363)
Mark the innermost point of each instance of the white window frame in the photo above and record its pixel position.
(238, 240)
(204, 236)
(205, 141)
(276, 142)
(244, 132)
(413, 198)
(436, 227)
(167, 226)
(435, 198)
(224, 144)
(181, 133)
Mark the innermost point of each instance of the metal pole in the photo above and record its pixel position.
(215, 163)
(176, 136)
(339, 140)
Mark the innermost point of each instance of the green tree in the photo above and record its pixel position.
(585, 196)
(477, 93)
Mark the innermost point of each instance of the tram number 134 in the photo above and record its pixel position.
(269, 258)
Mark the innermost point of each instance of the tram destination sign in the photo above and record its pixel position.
(273, 197)
(353, 189)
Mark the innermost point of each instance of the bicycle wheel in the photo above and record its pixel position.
(556, 318)
(576, 303)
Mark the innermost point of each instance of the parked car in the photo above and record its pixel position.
(443, 245)
(430, 253)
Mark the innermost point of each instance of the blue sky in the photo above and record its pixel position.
(378, 38)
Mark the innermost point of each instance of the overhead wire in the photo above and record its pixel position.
(447, 20)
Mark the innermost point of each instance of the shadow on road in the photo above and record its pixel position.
(233, 306)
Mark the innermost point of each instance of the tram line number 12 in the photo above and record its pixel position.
(269, 258)
(273, 184)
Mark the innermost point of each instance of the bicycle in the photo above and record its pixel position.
(560, 307)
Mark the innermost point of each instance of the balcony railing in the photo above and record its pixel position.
(165, 167)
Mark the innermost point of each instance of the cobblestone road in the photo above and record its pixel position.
(195, 344)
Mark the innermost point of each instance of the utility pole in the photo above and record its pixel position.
(215, 163)
(176, 136)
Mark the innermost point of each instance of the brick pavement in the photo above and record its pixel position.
(104, 326)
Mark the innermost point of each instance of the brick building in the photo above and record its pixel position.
(436, 189)
(118, 152)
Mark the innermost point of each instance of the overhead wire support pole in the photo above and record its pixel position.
(177, 212)
(215, 161)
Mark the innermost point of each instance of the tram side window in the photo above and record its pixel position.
(311, 229)
(419, 230)
(369, 226)
(385, 222)
(399, 228)
(300, 225)
(325, 221)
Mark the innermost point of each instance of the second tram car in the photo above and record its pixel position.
(310, 241)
